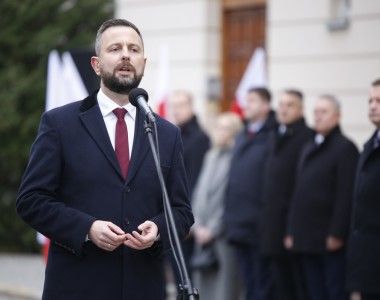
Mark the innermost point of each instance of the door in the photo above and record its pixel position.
(244, 23)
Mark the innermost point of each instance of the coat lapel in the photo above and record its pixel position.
(311, 148)
(140, 146)
(92, 120)
(367, 151)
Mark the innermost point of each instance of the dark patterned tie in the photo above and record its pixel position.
(121, 141)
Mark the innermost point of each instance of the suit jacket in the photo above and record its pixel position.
(73, 178)
(321, 204)
(243, 202)
(195, 145)
(364, 246)
(280, 177)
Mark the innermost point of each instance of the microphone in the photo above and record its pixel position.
(139, 97)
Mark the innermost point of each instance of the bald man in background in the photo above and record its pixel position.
(195, 145)
(195, 141)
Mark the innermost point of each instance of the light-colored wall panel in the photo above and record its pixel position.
(181, 76)
(297, 10)
(181, 47)
(304, 11)
(365, 7)
(169, 15)
(322, 76)
(315, 40)
(194, 46)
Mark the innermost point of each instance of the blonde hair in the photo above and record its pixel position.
(233, 119)
(234, 126)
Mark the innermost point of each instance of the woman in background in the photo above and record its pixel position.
(219, 280)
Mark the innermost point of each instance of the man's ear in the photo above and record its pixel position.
(95, 64)
(144, 66)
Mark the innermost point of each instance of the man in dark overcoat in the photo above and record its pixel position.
(285, 145)
(195, 145)
(321, 206)
(195, 141)
(244, 193)
(363, 269)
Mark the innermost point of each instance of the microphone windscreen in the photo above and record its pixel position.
(135, 93)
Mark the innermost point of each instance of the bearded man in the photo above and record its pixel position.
(92, 188)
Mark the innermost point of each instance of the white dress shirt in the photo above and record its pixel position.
(107, 106)
(319, 139)
(254, 127)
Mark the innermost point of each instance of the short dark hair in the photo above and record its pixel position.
(294, 92)
(376, 82)
(112, 23)
(263, 92)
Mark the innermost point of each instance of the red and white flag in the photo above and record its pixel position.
(255, 75)
(162, 88)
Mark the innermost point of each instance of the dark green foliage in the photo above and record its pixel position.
(29, 29)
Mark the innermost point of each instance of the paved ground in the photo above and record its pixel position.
(21, 276)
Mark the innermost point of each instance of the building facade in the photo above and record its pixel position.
(325, 46)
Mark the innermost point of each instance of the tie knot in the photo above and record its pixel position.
(120, 113)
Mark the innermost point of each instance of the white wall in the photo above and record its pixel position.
(302, 53)
(190, 28)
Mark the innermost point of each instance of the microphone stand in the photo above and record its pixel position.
(186, 290)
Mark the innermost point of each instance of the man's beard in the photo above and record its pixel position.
(118, 86)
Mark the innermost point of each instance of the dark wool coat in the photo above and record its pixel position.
(321, 204)
(280, 175)
(73, 178)
(364, 246)
(244, 189)
(195, 145)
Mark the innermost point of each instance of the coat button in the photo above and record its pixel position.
(126, 221)
(127, 189)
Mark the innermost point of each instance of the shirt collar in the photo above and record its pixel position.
(255, 126)
(282, 129)
(106, 105)
(319, 139)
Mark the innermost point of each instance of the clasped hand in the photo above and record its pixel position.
(109, 236)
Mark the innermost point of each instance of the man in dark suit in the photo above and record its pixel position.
(321, 205)
(364, 244)
(244, 193)
(92, 188)
(285, 145)
(195, 141)
(195, 145)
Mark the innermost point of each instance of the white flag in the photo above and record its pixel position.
(64, 83)
(255, 75)
(54, 80)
